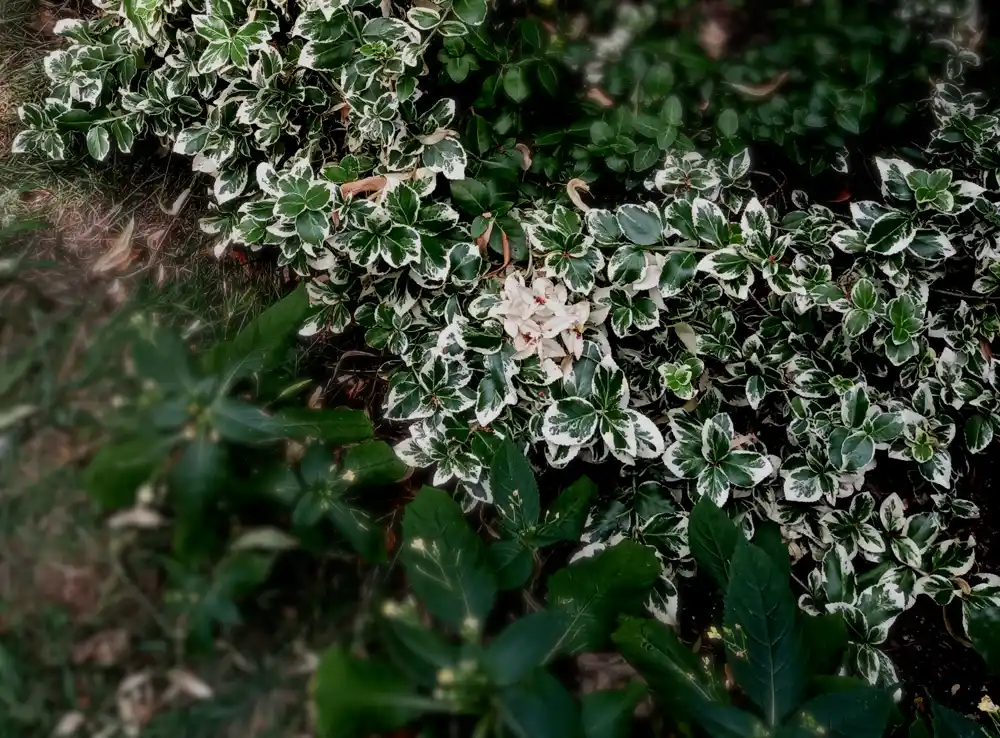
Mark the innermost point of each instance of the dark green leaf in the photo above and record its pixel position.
(678, 678)
(243, 423)
(118, 469)
(825, 637)
(539, 706)
(472, 12)
(713, 538)
(515, 84)
(355, 697)
(512, 561)
(593, 591)
(335, 425)
(515, 493)
(196, 477)
(260, 344)
(950, 724)
(984, 632)
(471, 197)
(523, 646)
(608, 713)
(445, 560)
(765, 649)
(371, 464)
(768, 537)
(565, 518)
(859, 713)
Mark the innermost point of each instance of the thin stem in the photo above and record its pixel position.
(962, 295)
(691, 249)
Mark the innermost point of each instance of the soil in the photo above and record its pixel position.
(930, 660)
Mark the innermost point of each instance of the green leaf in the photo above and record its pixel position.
(825, 637)
(260, 343)
(565, 518)
(858, 713)
(984, 632)
(472, 12)
(593, 591)
(641, 225)
(768, 537)
(515, 83)
(445, 560)
(118, 469)
(98, 142)
(355, 697)
(360, 530)
(950, 724)
(978, 433)
(539, 706)
(338, 425)
(515, 493)
(601, 132)
(197, 475)
(512, 562)
(371, 464)
(726, 721)
(728, 123)
(471, 197)
(765, 653)
(415, 649)
(608, 713)
(713, 538)
(678, 678)
(240, 422)
(523, 646)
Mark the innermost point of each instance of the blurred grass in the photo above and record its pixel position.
(63, 334)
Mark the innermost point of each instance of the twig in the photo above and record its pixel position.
(368, 184)
(947, 625)
(950, 293)
(506, 255)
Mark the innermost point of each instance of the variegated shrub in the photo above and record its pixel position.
(695, 331)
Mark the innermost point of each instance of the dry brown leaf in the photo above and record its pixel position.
(144, 518)
(573, 189)
(177, 204)
(761, 91)
(525, 156)
(187, 683)
(600, 97)
(68, 724)
(104, 648)
(713, 38)
(120, 254)
(136, 703)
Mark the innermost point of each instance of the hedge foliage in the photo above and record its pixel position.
(553, 224)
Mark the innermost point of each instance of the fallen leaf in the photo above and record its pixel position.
(136, 703)
(843, 196)
(266, 539)
(763, 90)
(687, 336)
(713, 38)
(525, 156)
(68, 724)
(120, 253)
(104, 648)
(144, 518)
(600, 97)
(12, 416)
(573, 189)
(190, 685)
(176, 205)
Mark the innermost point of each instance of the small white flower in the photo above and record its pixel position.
(417, 544)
